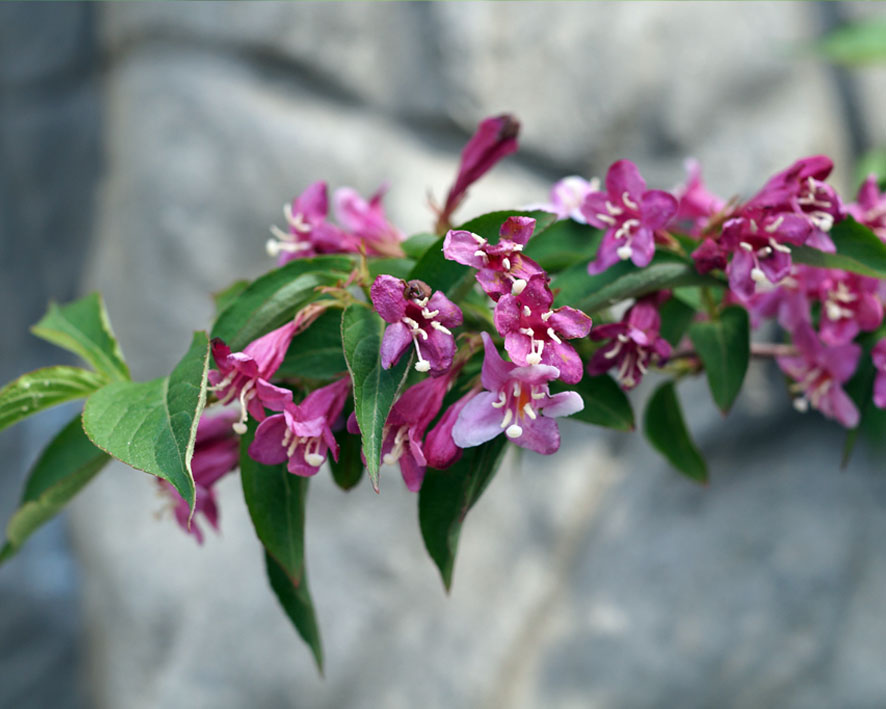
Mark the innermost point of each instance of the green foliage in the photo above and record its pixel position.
(274, 298)
(45, 388)
(563, 244)
(858, 250)
(605, 402)
(225, 297)
(63, 469)
(83, 328)
(675, 318)
(348, 469)
(861, 43)
(298, 605)
(152, 426)
(446, 496)
(316, 353)
(416, 245)
(666, 430)
(374, 388)
(725, 350)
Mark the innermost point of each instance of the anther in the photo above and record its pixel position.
(514, 431)
(629, 203)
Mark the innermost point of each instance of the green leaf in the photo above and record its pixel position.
(225, 297)
(415, 246)
(152, 426)
(82, 327)
(605, 402)
(63, 469)
(397, 267)
(449, 276)
(563, 244)
(724, 346)
(858, 250)
(273, 299)
(45, 388)
(624, 280)
(860, 43)
(446, 496)
(374, 388)
(316, 353)
(675, 318)
(275, 499)
(664, 427)
(297, 603)
(348, 470)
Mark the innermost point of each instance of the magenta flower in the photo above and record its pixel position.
(696, 205)
(818, 371)
(634, 344)
(759, 242)
(440, 450)
(496, 138)
(216, 453)
(501, 268)
(709, 255)
(302, 435)
(517, 402)
(367, 221)
(535, 334)
(245, 375)
(878, 355)
(416, 317)
(567, 196)
(870, 207)
(788, 302)
(849, 303)
(309, 233)
(630, 214)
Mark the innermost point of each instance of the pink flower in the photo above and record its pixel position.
(216, 453)
(630, 214)
(818, 371)
(567, 196)
(849, 303)
(302, 435)
(870, 207)
(516, 402)
(535, 334)
(440, 450)
(309, 233)
(367, 221)
(878, 355)
(416, 317)
(245, 375)
(696, 204)
(496, 138)
(501, 268)
(634, 344)
(709, 255)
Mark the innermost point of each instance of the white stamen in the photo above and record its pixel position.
(526, 311)
(626, 198)
(517, 286)
(834, 311)
(758, 275)
(527, 331)
(754, 226)
(547, 316)
(772, 228)
(765, 251)
(422, 366)
(538, 395)
(612, 209)
(421, 302)
(429, 314)
(514, 431)
(441, 328)
(779, 247)
(801, 404)
(239, 428)
(506, 262)
(529, 411)
(509, 415)
(315, 460)
(482, 255)
(606, 219)
(553, 336)
(624, 252)
(745, 246)
(502, 400)
(479, 239)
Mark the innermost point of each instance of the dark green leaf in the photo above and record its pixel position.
(605, 402)
(297, 603)
(348, 470)
(488, 225)
(724, 348)
(152, 426)
(316, 353)
(63, 469)
(397, 267)
(858, 250)
(82, 327)
(45, 388)
(415, 246)
(446, 496)
(664, 427)
(622, 281)
(374, 388)
(675, 319)
(225, 297)
(273, 299)
(275, 499)
(564, 244)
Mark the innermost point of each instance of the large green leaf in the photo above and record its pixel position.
(446, 496)
(724, 346)
(44, 388)
(374, 388)
(348, 469)
(297, 603)
(83, 328)
(449, 276)
(605, 402)
(271, 300)
(675, 319)
(397, 267)
(225, 297)
(152, 426)
(275, 499)
(666, 430)
(563, 244)
(65, 466)
(416, 245)
(858, 250)
(316, 353)
(624, 280)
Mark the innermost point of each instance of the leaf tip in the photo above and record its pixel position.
(6, 552)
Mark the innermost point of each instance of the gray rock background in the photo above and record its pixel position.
(596, 578)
